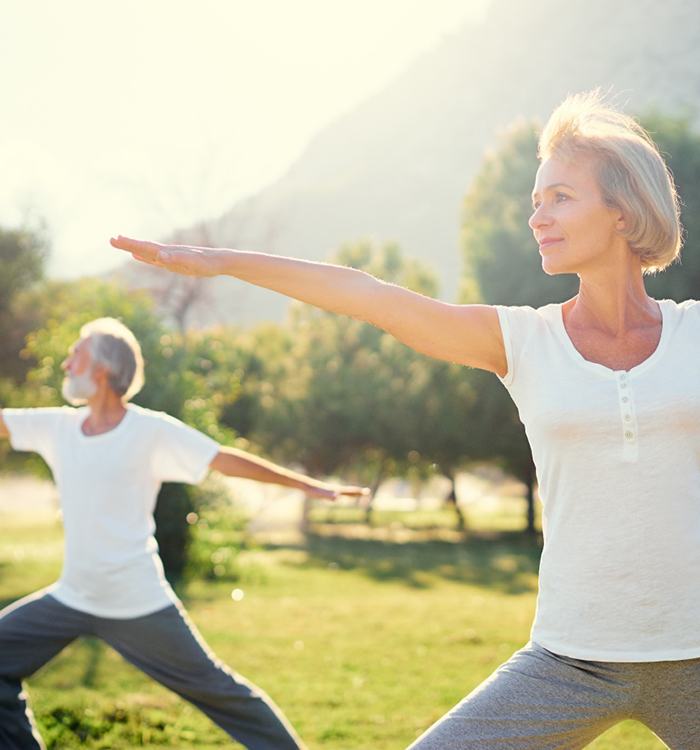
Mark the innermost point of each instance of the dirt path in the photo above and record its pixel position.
(22, 494)
(273, 510)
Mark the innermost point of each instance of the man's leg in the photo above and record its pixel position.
(167, 647)
(536, 701)
(32, 631)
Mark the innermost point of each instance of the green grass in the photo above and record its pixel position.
(506, 515)
(364, 642)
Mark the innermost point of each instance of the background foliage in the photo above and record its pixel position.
(330, 394)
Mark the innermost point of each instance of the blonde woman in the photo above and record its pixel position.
(608, 387)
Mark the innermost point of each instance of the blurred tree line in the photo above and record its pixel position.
(331, 395)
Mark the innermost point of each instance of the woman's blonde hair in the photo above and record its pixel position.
(632, 174)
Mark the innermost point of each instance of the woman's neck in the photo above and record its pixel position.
(612, 301)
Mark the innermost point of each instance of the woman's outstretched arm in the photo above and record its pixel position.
(466, 334)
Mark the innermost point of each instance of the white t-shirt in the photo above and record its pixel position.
(108, 486)
(618, 464)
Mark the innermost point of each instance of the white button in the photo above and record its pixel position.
(625, 399)
(623, 375)
(623, 385)
(627, 417)
(629, 434)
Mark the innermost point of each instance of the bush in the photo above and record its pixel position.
(218, 533)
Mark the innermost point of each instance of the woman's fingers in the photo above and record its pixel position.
(141, 249)
(191, 261)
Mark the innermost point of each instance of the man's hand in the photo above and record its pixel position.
(4, 432)
(191, 261)
(333, 491)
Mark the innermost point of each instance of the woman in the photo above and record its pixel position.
(608, 387)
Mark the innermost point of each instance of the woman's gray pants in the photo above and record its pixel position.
(539, 700)
(165, 645)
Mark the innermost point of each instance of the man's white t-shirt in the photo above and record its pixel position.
(618, 464)
(108, 485)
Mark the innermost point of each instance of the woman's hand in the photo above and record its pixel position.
(192, 261)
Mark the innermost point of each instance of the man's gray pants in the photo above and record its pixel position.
(165, 645)
(538, 700)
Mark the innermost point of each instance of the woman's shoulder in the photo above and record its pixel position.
(690, 307)
(681, 316)
(531, 310)
(522, 323)
(687, 304)
(529, 315)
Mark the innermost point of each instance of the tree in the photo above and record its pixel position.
(342, 387)
(447, 432)
(23, 254)
(679, 141)
(503, 267)
(345, 383)
(347, 396)
(500, 255)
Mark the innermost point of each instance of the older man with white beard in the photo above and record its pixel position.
(109, 459)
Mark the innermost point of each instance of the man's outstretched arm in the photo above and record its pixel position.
(238, 463)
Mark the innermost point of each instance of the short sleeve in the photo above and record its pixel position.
(690, 308)
(35, 429)
(182, 454)
(517, 326)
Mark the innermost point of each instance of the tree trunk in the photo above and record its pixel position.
(306, 514)
(530, 497)
(369, 509)
(451, 499)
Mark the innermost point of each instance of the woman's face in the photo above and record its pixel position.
(574, 228)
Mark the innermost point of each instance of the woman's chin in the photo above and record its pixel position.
(552, 268)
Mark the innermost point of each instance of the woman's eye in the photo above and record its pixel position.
(561, 197)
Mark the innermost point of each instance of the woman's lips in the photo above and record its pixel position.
(545, 244)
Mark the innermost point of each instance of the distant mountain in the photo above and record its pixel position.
(398, 166)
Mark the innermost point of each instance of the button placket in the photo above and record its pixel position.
(630, 445)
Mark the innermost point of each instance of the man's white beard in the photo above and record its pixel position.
(77, 389)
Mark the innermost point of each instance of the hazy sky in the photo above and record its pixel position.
(144, 115)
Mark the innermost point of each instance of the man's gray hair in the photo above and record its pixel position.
(115, 347)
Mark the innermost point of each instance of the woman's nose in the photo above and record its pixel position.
(538, 218)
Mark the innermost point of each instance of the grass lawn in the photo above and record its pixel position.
(364, 642)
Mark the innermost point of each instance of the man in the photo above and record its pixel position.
(109, 459)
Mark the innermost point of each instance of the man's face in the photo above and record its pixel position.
(78, 383)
